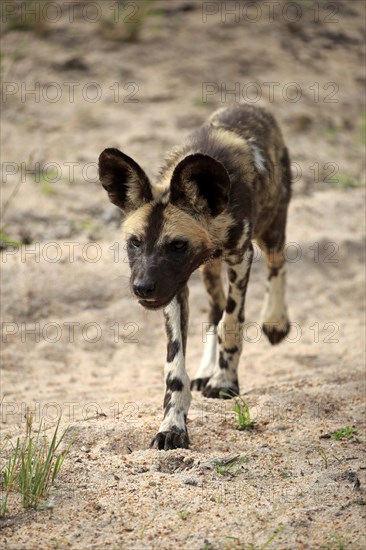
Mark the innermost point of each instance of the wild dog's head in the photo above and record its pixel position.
(167, 235)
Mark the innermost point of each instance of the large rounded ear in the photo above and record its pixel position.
(200, 183)
(126, 183)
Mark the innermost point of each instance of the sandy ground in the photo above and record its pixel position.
(76, 344)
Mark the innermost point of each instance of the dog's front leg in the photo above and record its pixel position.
(173, 433)
(225, 376)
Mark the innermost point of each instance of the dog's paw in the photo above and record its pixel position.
(276, 334)
(198, 384)
(224, 392)
(172, 439)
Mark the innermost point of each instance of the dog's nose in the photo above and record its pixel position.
(143, 289)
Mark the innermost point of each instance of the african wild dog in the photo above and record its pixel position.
(228, 184)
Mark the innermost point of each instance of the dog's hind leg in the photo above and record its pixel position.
(173, 433)
(225, 376)
(274, 318)
(211, 276)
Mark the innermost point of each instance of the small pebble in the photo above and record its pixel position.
(189, 481)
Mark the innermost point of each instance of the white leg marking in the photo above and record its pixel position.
(274, 309)
(207, 365)
(179, 400)
(230, 328)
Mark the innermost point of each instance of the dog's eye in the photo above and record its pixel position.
(134, 242)
(178, 246)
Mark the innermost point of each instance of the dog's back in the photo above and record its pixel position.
(248, 142)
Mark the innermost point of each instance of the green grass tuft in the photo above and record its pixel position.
(32, 467)
(5, 239)
(343, 181)
(244, 421)
(231, 467)
(343, 433)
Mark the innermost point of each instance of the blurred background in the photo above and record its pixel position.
(82, 76)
